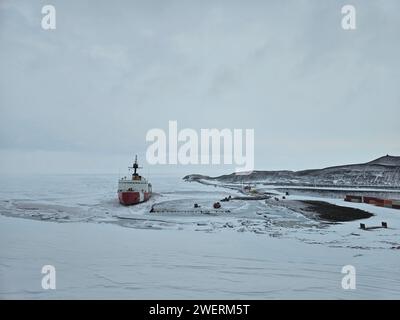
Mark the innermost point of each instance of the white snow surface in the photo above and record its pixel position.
(256, 251)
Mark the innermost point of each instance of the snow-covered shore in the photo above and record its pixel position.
(108, 261)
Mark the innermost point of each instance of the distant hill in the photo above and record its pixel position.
(381, 172)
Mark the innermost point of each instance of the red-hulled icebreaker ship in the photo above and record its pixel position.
(135, 190)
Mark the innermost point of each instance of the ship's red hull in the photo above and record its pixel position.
(128, 198)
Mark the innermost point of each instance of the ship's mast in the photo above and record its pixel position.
(135, 166)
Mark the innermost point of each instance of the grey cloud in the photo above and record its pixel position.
(314, 93)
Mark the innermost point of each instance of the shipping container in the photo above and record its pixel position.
(396, 202)
(367, 199)
(373, 199)
(351, 198)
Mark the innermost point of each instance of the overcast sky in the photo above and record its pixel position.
(81, 98)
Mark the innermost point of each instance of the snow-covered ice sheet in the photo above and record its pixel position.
(107, 261)
(103, 250)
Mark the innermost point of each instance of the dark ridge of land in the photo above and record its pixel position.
(383, 172)
(334, 213)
